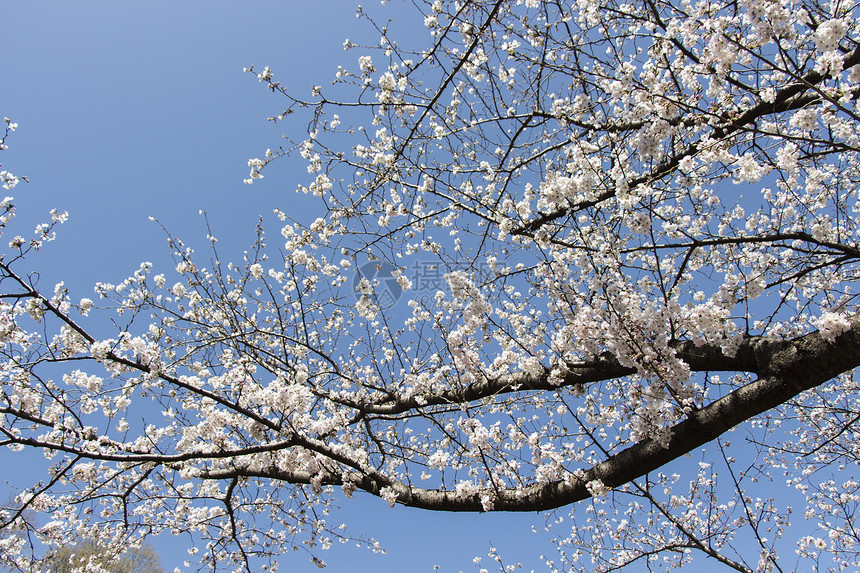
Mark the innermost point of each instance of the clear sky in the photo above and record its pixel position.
(134, 109)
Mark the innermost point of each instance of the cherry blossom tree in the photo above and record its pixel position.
(564, 244)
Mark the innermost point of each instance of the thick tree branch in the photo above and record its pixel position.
(786, 369)
(604, 367)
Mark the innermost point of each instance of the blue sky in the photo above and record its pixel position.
(134, 109)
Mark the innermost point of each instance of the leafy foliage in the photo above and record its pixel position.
(90, 557)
